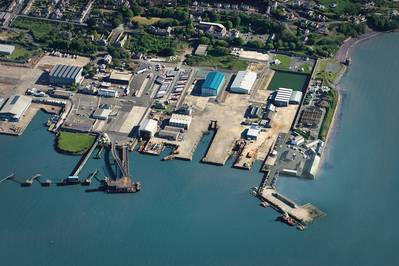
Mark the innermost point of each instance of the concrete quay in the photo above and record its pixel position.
(303, 214)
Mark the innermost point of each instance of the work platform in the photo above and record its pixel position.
(304, 214)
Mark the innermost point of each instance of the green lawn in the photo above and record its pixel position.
(225, 62)
(289, 80)
(285, 62)
(20, 53)
(74, 142)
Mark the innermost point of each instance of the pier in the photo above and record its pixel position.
(29, 182)
(84, 159)
(87, 181)
(124, 184)
(7, 177)
(302, 214)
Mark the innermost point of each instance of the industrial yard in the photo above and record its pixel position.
(155, 105)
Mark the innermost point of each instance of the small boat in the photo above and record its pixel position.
(287, 219)
(264, 204)
(301, 227)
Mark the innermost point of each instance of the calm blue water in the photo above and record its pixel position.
(194, 214)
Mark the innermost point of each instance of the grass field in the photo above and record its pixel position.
(225, 62)
(146, 21)
(289, 80)
(20, 53)
(74, 142)
(326, 124)
(40, 30)
(285, 62)
(327, 70)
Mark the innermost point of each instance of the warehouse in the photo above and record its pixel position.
(312, 166)
(282, 97)
(148, 128)
(212, 84)
(6, 49)
(243, 82)
(64, 75)
(296, 97)
(15, 108)
(168, 134)
(123, 78)
(182, 121)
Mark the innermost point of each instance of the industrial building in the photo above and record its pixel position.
(282, 97)
(101, 114)
(169, 134)
(6, 49)
(312, 166)
(107, 93)
(182, 121)
(148, 128)
(243, 82)
(212, 84)
(65, 75)
(123, 78)
(14, 109)
(253, 132)
(296, 97)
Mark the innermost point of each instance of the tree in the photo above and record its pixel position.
(229, 24)
(168, 51)
(204, 40)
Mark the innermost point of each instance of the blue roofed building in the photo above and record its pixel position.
(213, 83)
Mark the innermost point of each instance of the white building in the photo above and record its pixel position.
(148, 128)
(243, 82)
(107, 93)
(312, 166)
(102, 114)
(15, 108)
(6, 49)
(253, 132)
(282, 97)
(182, 121)
(216, 29)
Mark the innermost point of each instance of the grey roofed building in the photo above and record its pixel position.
(15, 108)
(296, 97)
(65, 75)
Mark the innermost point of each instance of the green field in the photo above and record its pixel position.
(20, 53)
(40, 30)
(289, 80)
(285, 62)
(74, 142)
(225, 62)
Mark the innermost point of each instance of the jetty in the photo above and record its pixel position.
(7, 177)
(28, 182)
(123, 184)
(87, 181)
(84, 159)
(302, 214)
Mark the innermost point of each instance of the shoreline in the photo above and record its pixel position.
(341, 55)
